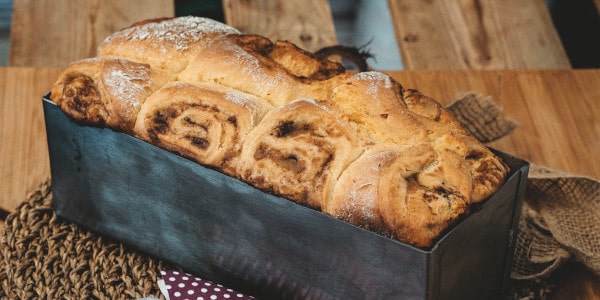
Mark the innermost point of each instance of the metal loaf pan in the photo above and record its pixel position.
(224, 230)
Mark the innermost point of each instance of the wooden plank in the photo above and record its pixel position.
(52, 33)
(477, 35)
(24, 151)
(557, 111)
(308, 24)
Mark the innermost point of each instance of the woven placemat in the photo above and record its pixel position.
(44, 257)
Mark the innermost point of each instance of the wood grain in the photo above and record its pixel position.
(53, 33)
(308, 24)
(557, 111)
(477, 35)
(24, 151)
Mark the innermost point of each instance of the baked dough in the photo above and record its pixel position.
(106, 92)
(298, 151)
(277, 72)
(203, 121)
(356, 146)
(166, 44)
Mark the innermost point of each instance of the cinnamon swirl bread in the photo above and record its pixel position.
(106, 92)
(203, 121)
(356, 146)
(298, 151)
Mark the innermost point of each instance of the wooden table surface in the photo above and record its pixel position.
(558, 113)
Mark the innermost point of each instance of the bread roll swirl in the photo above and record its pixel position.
(106, 92)
(202, 121)
(298, 151)
(390, 190)
(485, 170)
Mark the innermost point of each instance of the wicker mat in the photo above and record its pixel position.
(44, 257)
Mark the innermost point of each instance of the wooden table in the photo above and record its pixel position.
(558, 112)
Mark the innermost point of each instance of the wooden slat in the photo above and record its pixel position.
(24, 151)
(52, 33)
(308, 24)
(477, 35)
(553, 116)
(557, 111)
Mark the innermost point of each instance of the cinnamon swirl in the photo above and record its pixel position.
(202, 121)
(298, 151)
(403, 193)
(105, 92)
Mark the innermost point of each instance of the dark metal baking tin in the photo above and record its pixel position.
(223, 230)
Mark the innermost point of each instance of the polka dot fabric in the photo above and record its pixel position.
(180, 286)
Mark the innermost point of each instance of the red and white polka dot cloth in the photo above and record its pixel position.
(177, 285)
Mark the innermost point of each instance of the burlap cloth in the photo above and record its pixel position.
(44, 257)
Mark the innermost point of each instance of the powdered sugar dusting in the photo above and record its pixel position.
(242, 99)
(364, 191)
(363, 198)
(315, 103)
(127, 84)
(250, 67)
(178, 33)
(374, 76)
(375, 79)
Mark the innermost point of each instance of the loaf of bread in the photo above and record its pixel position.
(356, 146)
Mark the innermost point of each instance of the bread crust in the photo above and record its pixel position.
(298, 151)
(165, 43)
(105, 92)
(277, 72)
(203, 121)
(357, 146)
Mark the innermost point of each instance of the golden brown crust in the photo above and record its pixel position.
(357, 146)
(255, 65)
(411, 193)
(298, 151)
(373, 106)
(205, 122)
(485, 169)
(105, 92)
(164, 43)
